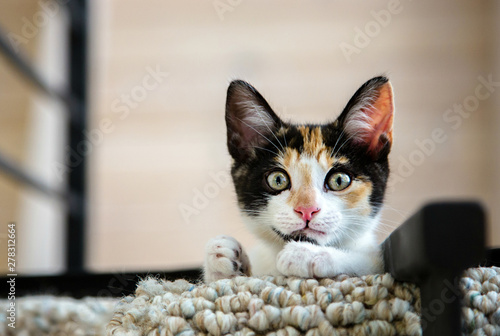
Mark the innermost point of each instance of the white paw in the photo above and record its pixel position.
(305, 260)
(224, 259)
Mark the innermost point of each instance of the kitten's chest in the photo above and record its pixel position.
(263, 259)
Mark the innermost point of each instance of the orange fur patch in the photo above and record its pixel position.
(313, 141)
(304, 197)
(342, 160)
(289, 158)
(315, 147)
(358, 196)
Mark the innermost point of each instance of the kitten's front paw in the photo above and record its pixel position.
(304, 260)
(224, 259)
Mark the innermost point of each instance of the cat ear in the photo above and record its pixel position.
(249, 118)
(367, 117)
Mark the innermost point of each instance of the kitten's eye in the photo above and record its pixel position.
(338, 181)
(278, 180)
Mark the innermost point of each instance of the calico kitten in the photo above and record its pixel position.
(312, 194)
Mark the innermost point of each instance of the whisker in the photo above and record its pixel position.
(346, 141)
(262, 135)
(284, 137)
(338, 139)
(267, 126)
(268, 150)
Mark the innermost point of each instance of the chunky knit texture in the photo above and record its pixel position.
(481, 303)
(368, 305)
(61, 316)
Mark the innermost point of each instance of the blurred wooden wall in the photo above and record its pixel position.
(164, 144)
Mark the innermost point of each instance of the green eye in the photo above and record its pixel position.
(278, 180)
(338, 181)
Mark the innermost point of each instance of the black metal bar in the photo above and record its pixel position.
(432, 249)
(75, 229)
(10, 168)
(492, 258)
(20, 63)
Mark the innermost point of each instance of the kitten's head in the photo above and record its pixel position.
(318, 183)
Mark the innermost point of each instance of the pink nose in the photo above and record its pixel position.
(307, 212)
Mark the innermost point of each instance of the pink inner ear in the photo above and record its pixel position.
(380, 115)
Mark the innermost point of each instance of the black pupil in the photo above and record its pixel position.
(279, 180)
(339, 180)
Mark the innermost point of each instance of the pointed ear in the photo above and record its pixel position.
(249, 118)
(368, 117)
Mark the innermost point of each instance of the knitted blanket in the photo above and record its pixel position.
(368, 305)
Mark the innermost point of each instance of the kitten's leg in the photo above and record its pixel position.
(224, 259)
(308, 260)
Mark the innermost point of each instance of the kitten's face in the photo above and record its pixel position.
(318, 183)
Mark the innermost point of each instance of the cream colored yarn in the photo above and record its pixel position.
(481, 303)
(61, 316)
(369, 305)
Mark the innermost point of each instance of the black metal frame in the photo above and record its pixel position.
(75, 101)
(75, 229)
(433, 248)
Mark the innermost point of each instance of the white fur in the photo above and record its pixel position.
(224, 258)
(358, 123)
(347, 243)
